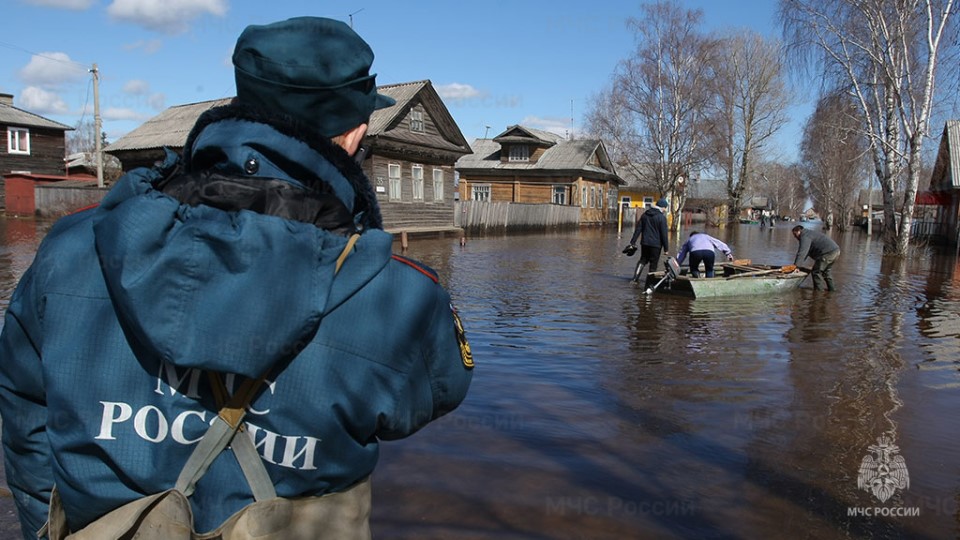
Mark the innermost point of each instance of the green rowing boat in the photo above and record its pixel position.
(733, 279)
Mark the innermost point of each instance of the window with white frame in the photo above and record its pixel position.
(583, 197)
(625, 202)
(480, 192)
(593, 197)
(647, 202)
(416, 121)
(519, 152)
(18, 140)
(393, 172)
(559, 195)
(600, 197)
(438, 184)
(417, 172)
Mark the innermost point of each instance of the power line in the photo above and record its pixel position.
(21, 49)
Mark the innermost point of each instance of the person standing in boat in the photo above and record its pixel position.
(651, 229)
(702, 248)
(824, 252)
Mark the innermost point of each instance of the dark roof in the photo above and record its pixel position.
(408, 95)
(168, 129)
(527, 135)
(876, 196)
(562, 155)
(171, 127)
(946, 170)
(13, 116)
(705, 188)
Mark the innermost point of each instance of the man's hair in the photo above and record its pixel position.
(798, 228)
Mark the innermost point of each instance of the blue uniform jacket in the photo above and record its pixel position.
(108, 335)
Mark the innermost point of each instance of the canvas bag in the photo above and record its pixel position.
(168, 515)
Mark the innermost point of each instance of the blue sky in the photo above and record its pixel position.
(495, 63)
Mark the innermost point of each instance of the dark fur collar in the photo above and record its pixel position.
(366, 200)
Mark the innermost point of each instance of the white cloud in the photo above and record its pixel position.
(560, 126)
(167, 16)
(157, 102)
(40, 101)
(119, 113)
(77, 5)
(136, 87)
(457, 91)
(149, 46)
(51, 69)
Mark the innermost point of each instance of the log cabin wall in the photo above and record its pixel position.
(47, 152)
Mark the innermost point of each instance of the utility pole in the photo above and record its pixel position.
(97, 123)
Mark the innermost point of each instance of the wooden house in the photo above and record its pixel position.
(526, 165)
(636, 191)
(33, 144)
(705, 201)
(943, 199)
(143, 147)
(413, 146)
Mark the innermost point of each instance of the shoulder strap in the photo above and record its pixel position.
(229, 422)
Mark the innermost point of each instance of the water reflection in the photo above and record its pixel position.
(598, 411)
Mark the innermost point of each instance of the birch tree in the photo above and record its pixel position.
(886, 53)
(653, 113)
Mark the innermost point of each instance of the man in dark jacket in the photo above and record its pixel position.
(651, 229)
(824, 252)
(258, 254)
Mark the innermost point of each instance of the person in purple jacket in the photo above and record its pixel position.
(702, 247)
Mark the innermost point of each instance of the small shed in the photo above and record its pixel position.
(49, 195)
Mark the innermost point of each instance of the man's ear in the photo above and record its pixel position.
(351, 139)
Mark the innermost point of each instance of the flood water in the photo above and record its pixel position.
(599, 412)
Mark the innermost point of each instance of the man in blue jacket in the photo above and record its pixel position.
(651, 229)
(223, 265)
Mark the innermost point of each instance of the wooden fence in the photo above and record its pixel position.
(61, 198)
(482, 217)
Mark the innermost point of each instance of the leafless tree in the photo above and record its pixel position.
(83, 137)
(835, 158)
(750, 107)
(654, 110)
(886, 52)
(783, 186)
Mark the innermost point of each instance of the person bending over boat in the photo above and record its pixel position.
(824, 252)
(702, 247)
(651, 229)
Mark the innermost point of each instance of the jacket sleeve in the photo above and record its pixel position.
(664, 236)
(684, 249)
(439, 382)
(802, 249)
(23, 409)
(723, 248)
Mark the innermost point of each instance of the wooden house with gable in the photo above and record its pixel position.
(941, 205)
(527, 165)
(34, 144)
(33, 154)
(413, 146)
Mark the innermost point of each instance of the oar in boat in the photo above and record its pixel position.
(782, 270)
